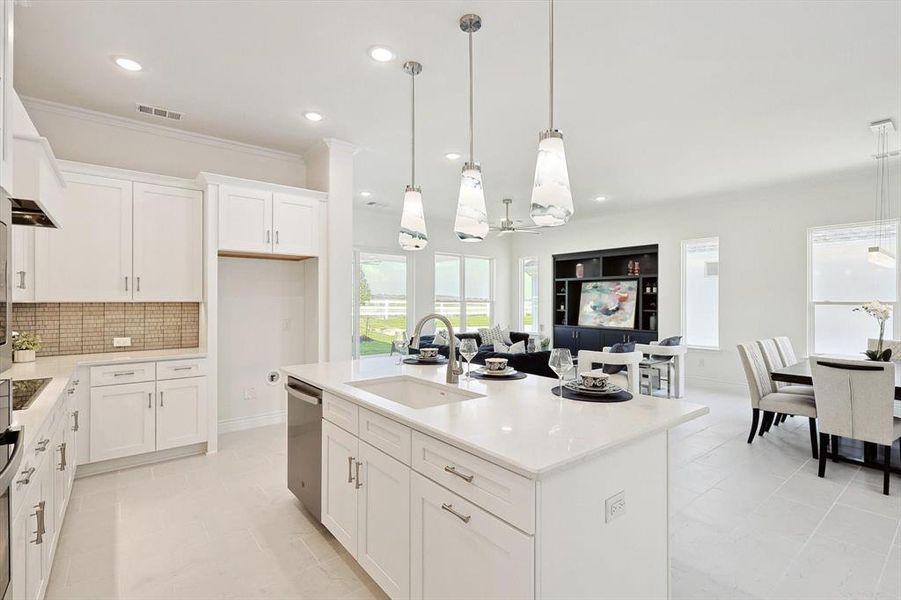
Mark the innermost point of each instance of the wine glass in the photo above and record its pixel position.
(401, 344)
(468, 350)
(560, 362)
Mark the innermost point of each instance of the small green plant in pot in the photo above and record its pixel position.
(25, 345)
(882, 313)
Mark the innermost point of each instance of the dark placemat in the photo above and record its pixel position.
(622, 396)
(517, 375)
(416, 361)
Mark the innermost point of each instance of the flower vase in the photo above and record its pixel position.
(23, 356)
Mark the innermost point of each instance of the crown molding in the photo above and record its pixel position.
(94, 116)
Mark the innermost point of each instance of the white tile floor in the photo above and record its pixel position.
(749, 522)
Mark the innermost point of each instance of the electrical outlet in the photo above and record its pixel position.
(250, 393)
(121, 342)
(615, 506)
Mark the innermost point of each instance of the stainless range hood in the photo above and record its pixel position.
(28, 212)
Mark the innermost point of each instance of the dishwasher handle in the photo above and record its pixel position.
(303, 391)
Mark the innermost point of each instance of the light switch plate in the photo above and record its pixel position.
(615, 506)
(121, 342)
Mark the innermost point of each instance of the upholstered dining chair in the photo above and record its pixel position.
(786, 350)
(629, 360)
(764, 397)
(774, 359)
(855, 399)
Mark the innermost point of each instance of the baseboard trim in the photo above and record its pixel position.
(251, 422)
(126, 462)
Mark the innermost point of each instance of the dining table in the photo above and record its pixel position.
(853, 451)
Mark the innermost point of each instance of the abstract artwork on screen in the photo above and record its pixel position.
(608, 304)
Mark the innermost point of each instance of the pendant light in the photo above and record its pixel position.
(552, 200)
(413, 235)
(878, 254)
(471, 224)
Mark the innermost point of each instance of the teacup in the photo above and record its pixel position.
(428, 353)
(496, 364)
(593, 380)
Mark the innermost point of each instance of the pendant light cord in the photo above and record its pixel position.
(551, 87)
(471, 153)
(413, 131)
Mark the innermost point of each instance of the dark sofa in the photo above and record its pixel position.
(534, 363)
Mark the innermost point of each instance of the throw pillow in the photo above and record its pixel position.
(517, 348)
(617, 349)
(493, 334)
(670, 341)
(440, 338)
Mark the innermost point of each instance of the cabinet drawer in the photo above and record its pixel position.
(340, 412)
(390, 437)
(126, 373)
(178, 369)
(499, 491)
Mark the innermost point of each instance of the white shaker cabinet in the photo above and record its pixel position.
(123, 420)
(181, 412)
(90, 259)
(295, 222)
(459, 550)
(168, 244)
(339, 496)
(23, 263)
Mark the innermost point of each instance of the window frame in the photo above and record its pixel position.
(355, 300)
(536, 299)
(684, 289)
(812, 304)
(461, 261)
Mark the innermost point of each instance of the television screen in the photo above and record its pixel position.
(608, 304)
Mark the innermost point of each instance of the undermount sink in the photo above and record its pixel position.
(413, 392)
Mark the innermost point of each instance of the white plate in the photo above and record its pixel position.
(607, 390)
(504, 373)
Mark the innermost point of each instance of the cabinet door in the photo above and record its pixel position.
(589, 339)
(245, 219)
(168, 244)
(296, 223)
(23, 263)
(565, 337)
(27, 547)
(460, 551)
(122, 420)
(339, 498)
(181, 412)
(88, 260)
(383, 508)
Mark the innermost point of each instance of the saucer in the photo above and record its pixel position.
(506, 372)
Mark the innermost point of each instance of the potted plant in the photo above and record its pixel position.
(24, 346)
(882, 313)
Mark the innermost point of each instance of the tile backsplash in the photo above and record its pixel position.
(86, 327)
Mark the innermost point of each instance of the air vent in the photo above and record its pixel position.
(159, 112)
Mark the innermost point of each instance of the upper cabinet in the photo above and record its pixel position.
(265, 222)
(37, 176)
(6, 92)
(122, 241)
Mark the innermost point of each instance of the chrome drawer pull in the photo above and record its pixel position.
(450, 508)
(123, 373)
(358, 484)
(350, 471)
(454, 471)
(62, 456)
(41, 525)
(182, 368)
(75, 416)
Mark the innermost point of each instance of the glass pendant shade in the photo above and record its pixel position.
(412, 234)
(880, 257)
(552, 200)
(471, 224)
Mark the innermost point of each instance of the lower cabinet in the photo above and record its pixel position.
(181, 413)
(366, 506)
(459, 550)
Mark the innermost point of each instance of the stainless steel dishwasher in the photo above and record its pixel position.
(305, 443)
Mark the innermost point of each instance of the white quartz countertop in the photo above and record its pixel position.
(517, 424)
(61, 369)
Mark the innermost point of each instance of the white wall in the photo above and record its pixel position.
(261, 328)
(377, 230)
(763, 256)
(100, 139)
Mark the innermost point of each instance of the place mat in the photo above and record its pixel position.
(514, 376)
(416, 361)
(622, 396)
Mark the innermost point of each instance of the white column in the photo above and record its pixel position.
(330, 169)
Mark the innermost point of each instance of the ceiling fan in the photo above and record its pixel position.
(507, 225)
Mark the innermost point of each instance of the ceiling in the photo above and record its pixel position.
(657, 100)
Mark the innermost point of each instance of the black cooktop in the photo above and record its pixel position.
(26, 390)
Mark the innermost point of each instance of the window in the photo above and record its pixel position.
(840, 279)
(701, 292)
(380, 306)
(464, 290)
(528, 288)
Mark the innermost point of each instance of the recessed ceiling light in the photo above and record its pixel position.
(366, 194)
(452, 156)
(600, 198)
(312, 116)
(381, 54)
(128, 64)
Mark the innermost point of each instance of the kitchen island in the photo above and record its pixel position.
(494, 489)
